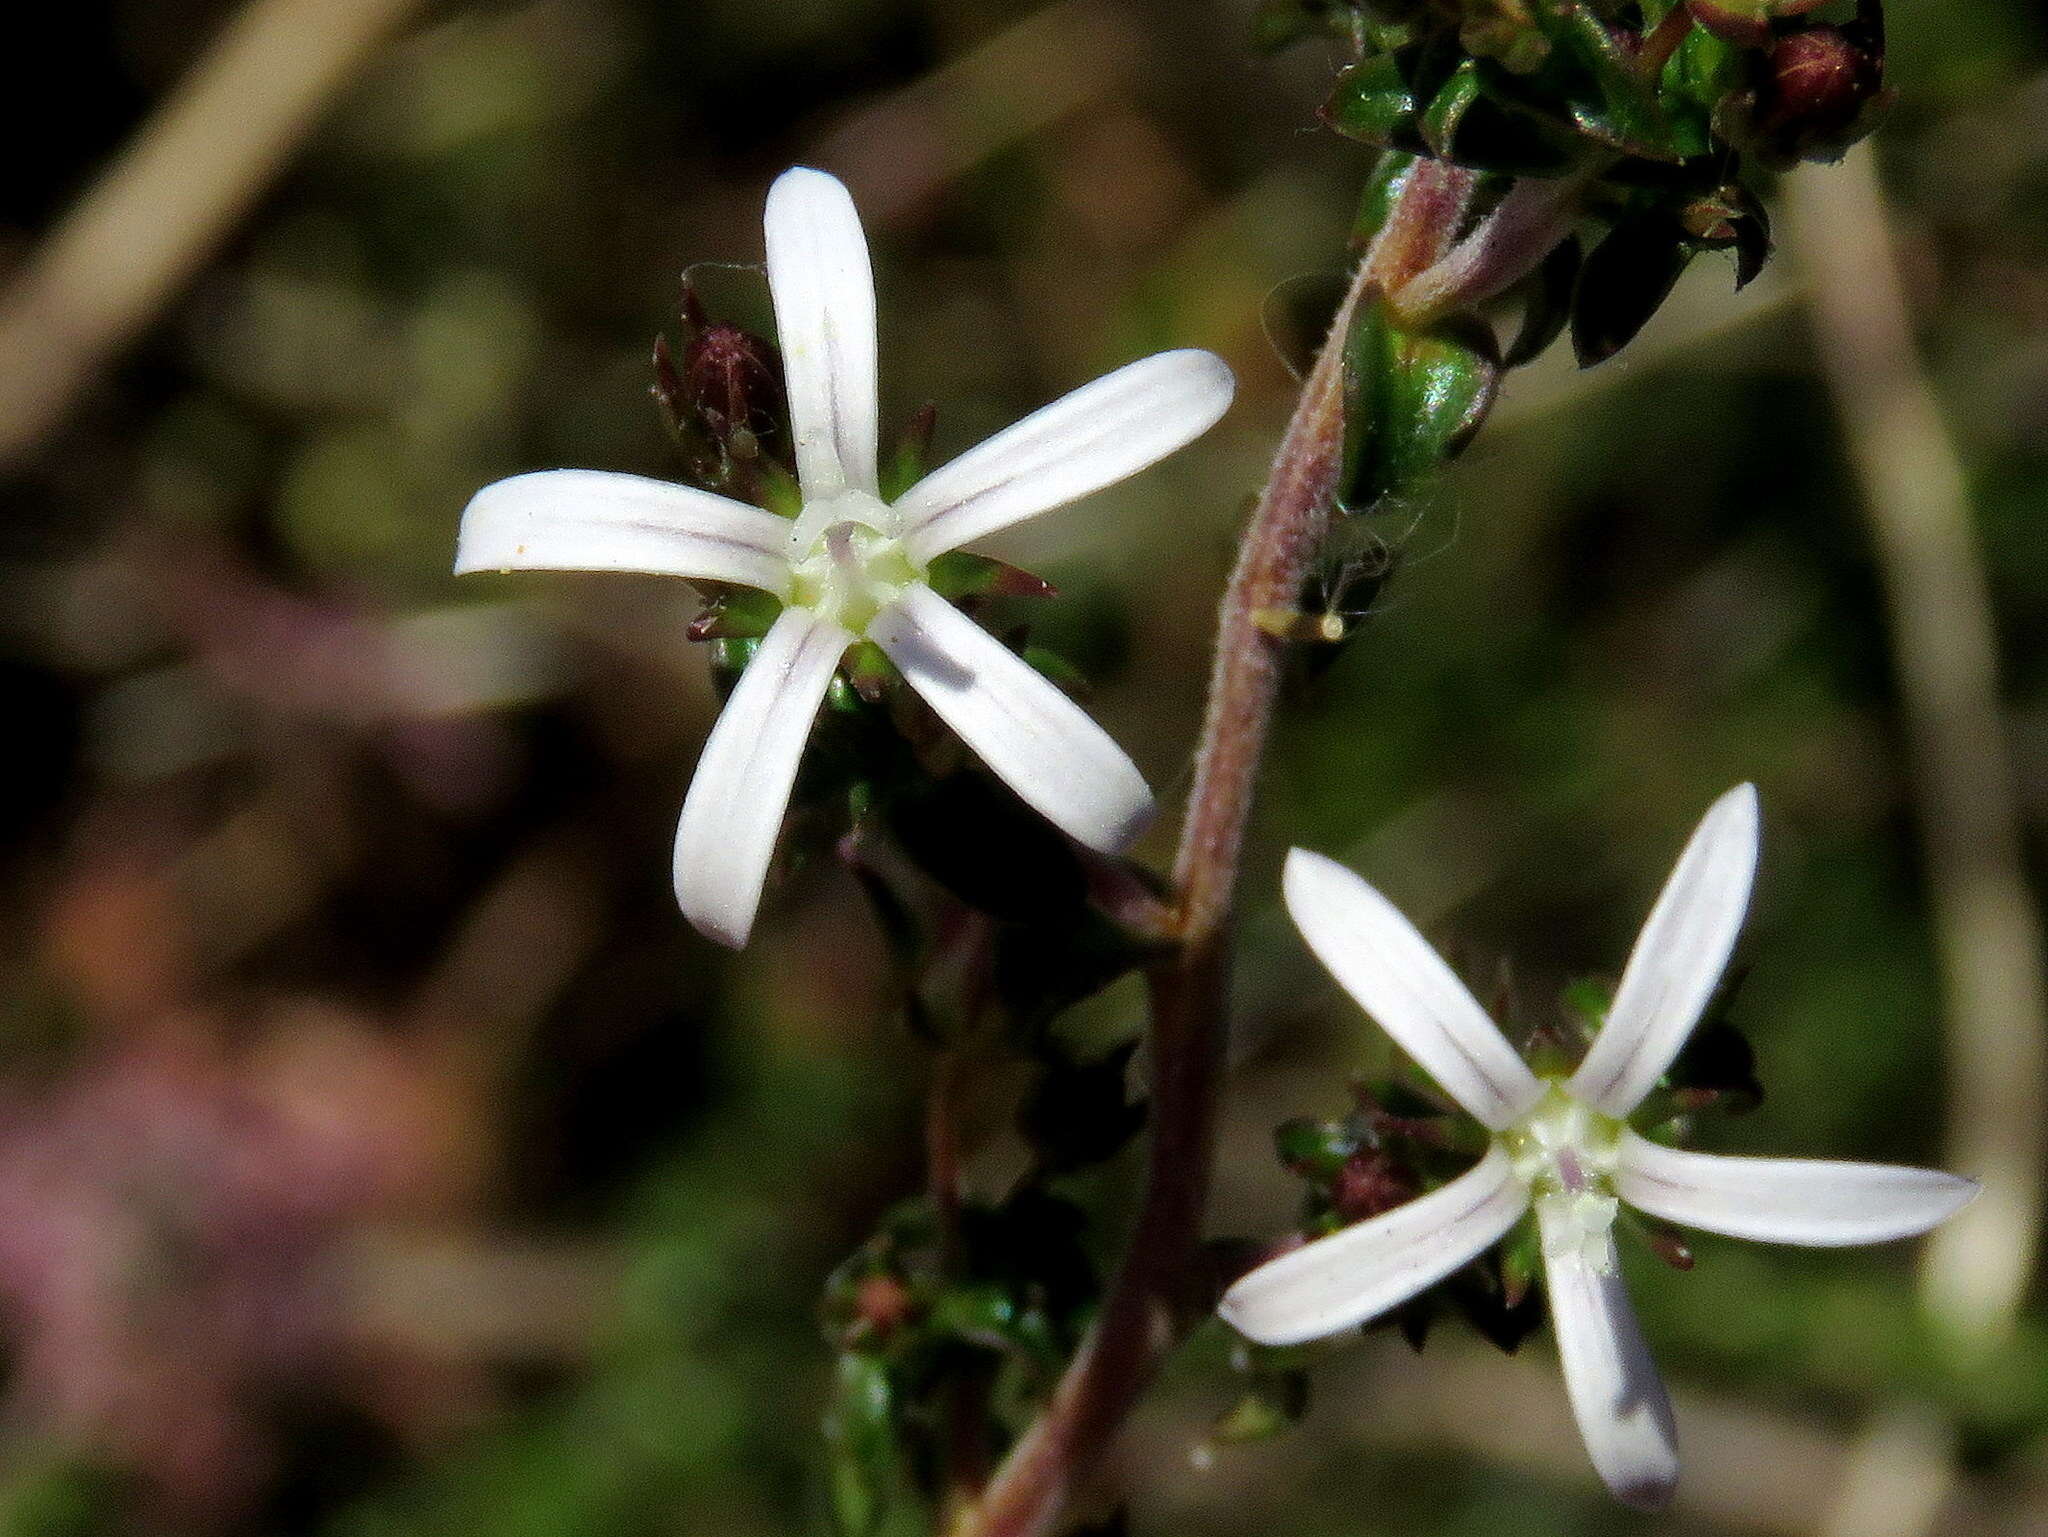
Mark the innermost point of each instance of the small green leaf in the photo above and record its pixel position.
(1373, 102)
(1382, 188)
(862, 1438)
(1412, 400)
(1272, 1402)
(1314, 1149)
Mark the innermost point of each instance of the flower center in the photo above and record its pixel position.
(845, 560)
(1567, 1153)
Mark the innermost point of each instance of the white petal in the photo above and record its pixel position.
(1617, 1397)
(1032, 737)
(1380, 960)
(1360, 1271)
(824, 296)
(1678, 958)
(1820, 1201)
(1084, 441)
(734, 809)
(593, 520)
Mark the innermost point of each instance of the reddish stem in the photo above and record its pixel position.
(1148, 1305)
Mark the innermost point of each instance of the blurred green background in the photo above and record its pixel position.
(380, 1154)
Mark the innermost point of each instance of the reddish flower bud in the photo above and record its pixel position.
(732, 380)
(881, 1305)
(1815, 88)
(1370, 1183)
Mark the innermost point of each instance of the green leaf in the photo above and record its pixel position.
(1412, 400)
(1376, 202)
(862, 1438)
(1373, 102)
(1626, 115)
(1467, 123)
(1272, 1402)
(1314, 1149)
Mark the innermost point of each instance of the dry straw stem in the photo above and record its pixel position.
(1976, 1269)
(155, 214)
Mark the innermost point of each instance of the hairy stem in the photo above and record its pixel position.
(1149, 1302)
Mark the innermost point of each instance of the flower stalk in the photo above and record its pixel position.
(1148, 1307)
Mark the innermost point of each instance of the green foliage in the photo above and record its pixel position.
(1412, 401)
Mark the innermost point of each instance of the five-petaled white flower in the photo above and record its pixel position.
(851, 566)
(1564, 1147)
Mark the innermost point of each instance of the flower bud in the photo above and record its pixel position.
(732, 381)
(1816, 85)
(1369, 1184)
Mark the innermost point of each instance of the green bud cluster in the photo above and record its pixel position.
(1670, 114)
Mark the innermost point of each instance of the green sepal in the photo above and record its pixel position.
(1412, 400)
(863, 1443)
(729, 658)
(780, 493)
(958, 574)
(1521, 1260)
(735, 613)
(869, 672)
(1056, 669)
(1700, 74)
(1272, 1402)
(905, 465)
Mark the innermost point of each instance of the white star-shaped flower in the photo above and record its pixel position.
(851, 566)
(1564, 1146)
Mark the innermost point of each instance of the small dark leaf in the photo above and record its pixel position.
(1718, 1067)
(1624, 282)
(1078, 1113)
(1503, 1319)
(1043, 969)
(1546, 303)
(984, 845)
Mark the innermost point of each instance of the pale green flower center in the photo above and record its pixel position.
(846, 562)
(1568, 1153)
